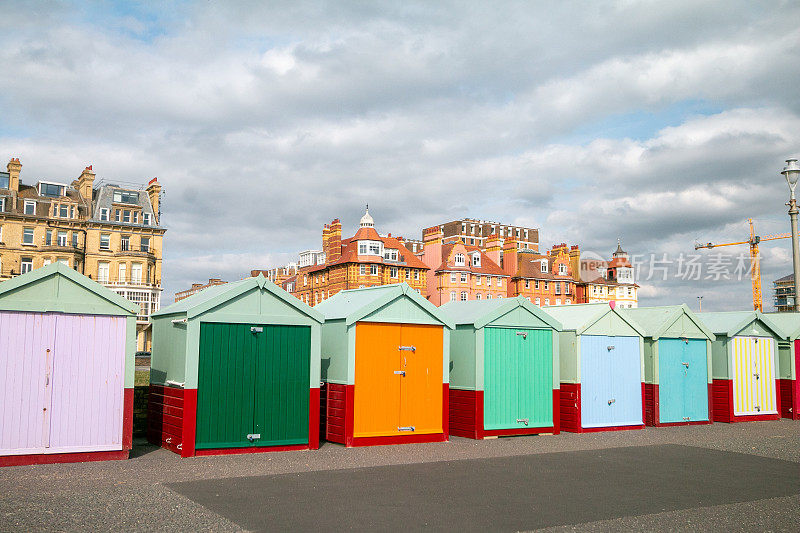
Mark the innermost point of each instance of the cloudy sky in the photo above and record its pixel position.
(660, 123)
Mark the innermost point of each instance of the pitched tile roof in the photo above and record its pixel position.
(350, 252)
(488, 266)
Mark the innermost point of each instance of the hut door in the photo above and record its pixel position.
(753, 376)
(420, 352)
(611, 386)
(62, 383)
(682, 380)
(252, 387)
(518, 378)
(88, 384)
(376, 404)
(24, 388)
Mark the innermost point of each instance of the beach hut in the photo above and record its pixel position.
(744, 359)
(385, 352)
(503, 368)
(67, 349)
(602, 368)
(235, 369)
(677, 365)
(788, 363)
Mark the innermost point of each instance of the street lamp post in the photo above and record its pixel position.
(700, 304)
(792, 172)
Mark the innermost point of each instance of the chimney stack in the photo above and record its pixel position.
(84, 183)
(13, 168)
(510, 252)
(334, 251)
(154, 192)
(494, 249)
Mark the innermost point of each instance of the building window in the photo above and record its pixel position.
(145, 246)
(547, 301)
(527, 284)
(374, 248)
(488, 296)
(122, 271)
(27, 236)
(103, 213)
(558, 301)
(544, 266)
(453, 296)
(536, 284)
(463, 277)
(126, 216)
(373, 270)
(146, 219)
(558, 287)
(50, 189)
(102, 272)
(72, 211)
(4, 179)
(105, 241)
(393, 272)
(562, 269)
(2, 203)
(478, 296)
(30, 207)
(416, 275)
(499, 296)
(48, 237)
(362, 269)
(499, 282)
(136, 217)
(63, 211)
(390, 255)
(458, 260)
(362, 248)
(117, 215)
(453, 277)
(477, 280)
(538, 301)
(567, 288)
(464, 296)
(25, 265)
(126, 197)
(62, 238)
(125, 243)
(569, 301)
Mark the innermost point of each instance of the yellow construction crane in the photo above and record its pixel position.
(755, 262)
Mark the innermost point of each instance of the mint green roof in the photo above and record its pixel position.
(483, 312)
(730, 323)
(654, 321)
(212, 297)
(31, 292)
(354, 304)
(788, 322)
(579, 317)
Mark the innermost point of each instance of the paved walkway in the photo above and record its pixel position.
(721, 477)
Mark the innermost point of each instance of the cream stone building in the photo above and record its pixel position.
(108, 232)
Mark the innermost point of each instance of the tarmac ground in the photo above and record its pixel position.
(721, 477)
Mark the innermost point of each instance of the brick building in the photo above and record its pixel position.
(460, 272)
(602, 281)
(108, 232)
(197, 287)
(544, 279)
(364, 260)
(478, 232)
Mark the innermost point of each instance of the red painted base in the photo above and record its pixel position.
(570, 405)
(172, 423)
(653, 411)
(339, 415)
(127, 420)
(466, 417)
(45, 458)
(790, 398)
(723, 404)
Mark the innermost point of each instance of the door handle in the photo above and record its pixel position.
(524, 335)
(405, 428)
(253, 436)
(612, 400)
(522, 420)
(685, 364)
(609, 348)
(756, 375)
(408, 348)
(400, 373)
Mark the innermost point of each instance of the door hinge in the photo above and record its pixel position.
(405, 428)
(524, 334)
(612, 400)
(253, 436)
(686, 418)
(256, 329)
(522, 420)
(408, 348)
(400, 373)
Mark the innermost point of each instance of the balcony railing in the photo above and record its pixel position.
(128, 282)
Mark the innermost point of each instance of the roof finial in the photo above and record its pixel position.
(366, 220)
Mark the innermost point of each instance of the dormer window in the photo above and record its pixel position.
(562, 269)
(362, 248)
(458, 259)
(52, 190)
(390, 255)
(103, 213)
(146, 219)
(476, 260)
(126, 197)
(30, 207)
(544, 266)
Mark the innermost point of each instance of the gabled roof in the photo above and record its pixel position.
(580, 317)
(654, 321)
(487, 265)
(788, 322)
(354, 304)
(483, 312)
(59, 269)
(732, 322)
(212, 297)
(350, 253)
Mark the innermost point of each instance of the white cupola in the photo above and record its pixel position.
(366, 220)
